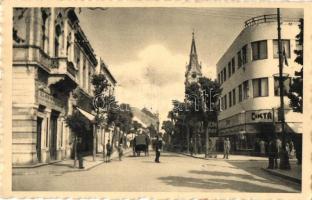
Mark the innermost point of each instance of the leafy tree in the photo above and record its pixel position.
(296, 89)
(79, 125)
(168, 127)
(152, 130)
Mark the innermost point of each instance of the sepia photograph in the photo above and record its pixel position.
(157, 99)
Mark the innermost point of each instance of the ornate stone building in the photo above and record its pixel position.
(53, 62)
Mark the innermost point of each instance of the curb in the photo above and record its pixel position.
(290, 178)
(35, 165)
(96, 165)
(216, 159)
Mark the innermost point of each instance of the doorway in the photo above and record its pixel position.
(38, 139)
(53, 135)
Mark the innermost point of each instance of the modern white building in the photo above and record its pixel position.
(248, 72)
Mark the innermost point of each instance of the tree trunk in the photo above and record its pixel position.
(207, 141)
(188, 138)
(103, 143)
(94, 142)
(75, 152)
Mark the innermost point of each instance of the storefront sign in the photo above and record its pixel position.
(259, 116)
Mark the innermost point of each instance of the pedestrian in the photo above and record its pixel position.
(279, 146)
(79, 153)
(262, 148)
(191, 147)
(226, 147)
(120, 151)
(273, 153)
(108, 150)
(158, 147)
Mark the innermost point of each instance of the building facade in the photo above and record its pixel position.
(53, 63)
(248, 75)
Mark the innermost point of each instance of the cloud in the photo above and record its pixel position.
(153, 79)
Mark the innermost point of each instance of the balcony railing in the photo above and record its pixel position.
(267, 19)
(59, 65)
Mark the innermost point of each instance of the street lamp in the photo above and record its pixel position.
(284, 158)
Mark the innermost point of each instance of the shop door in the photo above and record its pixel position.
(53, 137)
(38, 139)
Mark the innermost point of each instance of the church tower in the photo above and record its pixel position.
(193, 69)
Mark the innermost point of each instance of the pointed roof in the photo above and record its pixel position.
(193, 47)
(193, 55)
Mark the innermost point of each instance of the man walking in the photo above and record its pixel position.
(79, 153)
(108, 150)
(273, 154)
(158, 148)
(227, 147)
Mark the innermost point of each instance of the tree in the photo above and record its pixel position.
(168, 127)
(79, 125)
(100, 84)
(296, 89)
(201, 99)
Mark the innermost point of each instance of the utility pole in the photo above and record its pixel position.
(284, 159)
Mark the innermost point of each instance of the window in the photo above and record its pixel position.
(230, 99)
(239, 59)
(45, 29)
(245, 90)
(285, 45)
(225, 102)
(233, 65)
(260, 87)
(259, 50)
(84, 75)
(244, 54)
(224, 74)
(286, 82)
(234, 96)
(219, 79)
(230, 69)
(240, 93)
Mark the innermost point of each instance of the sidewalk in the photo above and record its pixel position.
(294, 175)
(220, 157)
(66, 166)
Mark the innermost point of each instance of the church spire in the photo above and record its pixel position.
(193, 47)
(193, 71)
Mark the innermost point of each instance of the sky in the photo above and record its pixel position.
(147, 49)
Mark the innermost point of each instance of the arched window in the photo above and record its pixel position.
(57, 40)
(45, 14)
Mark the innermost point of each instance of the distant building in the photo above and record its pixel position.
(248, 72)
(193, 69)
(53, 62)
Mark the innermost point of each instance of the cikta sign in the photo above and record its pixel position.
(259, 116)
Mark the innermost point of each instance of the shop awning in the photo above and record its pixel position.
(88, 115)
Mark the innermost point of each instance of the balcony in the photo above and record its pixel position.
(267, 19)
(34, 55)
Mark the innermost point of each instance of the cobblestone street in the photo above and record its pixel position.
(175, 173)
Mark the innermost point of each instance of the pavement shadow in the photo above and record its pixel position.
(202, 183)
(260, 173)
(216, 173)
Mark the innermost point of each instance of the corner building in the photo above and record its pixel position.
(53, 63)
(248, 72)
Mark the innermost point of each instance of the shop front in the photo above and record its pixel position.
(248, 130)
